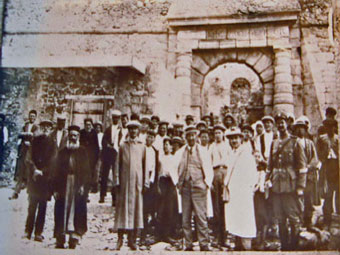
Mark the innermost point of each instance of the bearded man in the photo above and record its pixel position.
(72, 174)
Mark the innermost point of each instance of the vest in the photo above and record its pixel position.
(194, 171)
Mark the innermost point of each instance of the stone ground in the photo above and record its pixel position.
(98, 239)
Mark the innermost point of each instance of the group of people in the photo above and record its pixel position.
(175, 181)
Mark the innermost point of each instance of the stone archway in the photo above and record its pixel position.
(260, 60)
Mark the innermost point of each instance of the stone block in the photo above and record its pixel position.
(286, 69)
(187, 45)
(208, 45)
(242, 43)
(184, 72)
(283, 88)
(263, 63)
(268, 75)
(242, 55)
(258, 33)
(217, 34)
(213, 59)
(226, 44)
(197, 77)
(277, 31)
(283, 41)
(294, 33)
(253, 57)
(283, 78)
(258, 43)
(297, 80)
(188, 35)
(199, 64)
(196, 94)
(238, 33)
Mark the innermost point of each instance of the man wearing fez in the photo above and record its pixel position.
(3, 139)
(311, 194)
(130, 181)
(195, 178)
(328, 152)
(89, 140)
(25, 139)
(111, 139)
(287, 175)
(71, 176)
(39, 162)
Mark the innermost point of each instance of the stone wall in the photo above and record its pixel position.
(318, 59)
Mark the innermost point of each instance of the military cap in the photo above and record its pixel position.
(330, 111)
(74, 128)
(133, 123)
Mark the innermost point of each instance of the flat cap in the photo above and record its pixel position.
(190, 129)
(133, 123)
(267, 117)
(234, 131)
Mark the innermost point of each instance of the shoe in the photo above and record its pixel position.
(119, 244)
(132, 246)
(59, 246)
(189, 248)
(27, 236)
(204, 248)
(38, 238)
(72, 243)
(101, 200)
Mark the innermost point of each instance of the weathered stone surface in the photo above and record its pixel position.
(208, 44)
(199, 64)
(253, 57)
(187, 45)
(227, 44)
(196, 77)
(217, 34)
(238, 33)
(268, 74)
(188, 34)
(263, 63)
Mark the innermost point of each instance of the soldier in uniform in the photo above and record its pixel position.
(287, 175)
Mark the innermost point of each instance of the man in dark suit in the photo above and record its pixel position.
(39, 161)
(110, 144)
(89, 140)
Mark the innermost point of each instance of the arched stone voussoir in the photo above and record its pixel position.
(253, 58)
(199, 64)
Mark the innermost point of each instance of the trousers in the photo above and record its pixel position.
(35, 220)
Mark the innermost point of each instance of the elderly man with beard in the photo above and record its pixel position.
(130, 180)
(39, 160)
(71, 176)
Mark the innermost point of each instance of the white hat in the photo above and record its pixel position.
(115, 113)
(190, 129)
(133, 123)
(234, 131)
(267, 117)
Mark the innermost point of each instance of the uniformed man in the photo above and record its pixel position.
(288, 172)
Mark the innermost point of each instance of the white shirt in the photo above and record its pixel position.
(268, 139)
(158, 144)
(5, 134)
(124, 136)
(168, 167)
(59, 136)
(150, 163)
(115, 136)
(142, 138)
(100, 139)
(219, 153)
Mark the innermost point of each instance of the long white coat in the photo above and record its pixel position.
(239, 211)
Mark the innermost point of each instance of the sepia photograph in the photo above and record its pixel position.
(169, 127)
